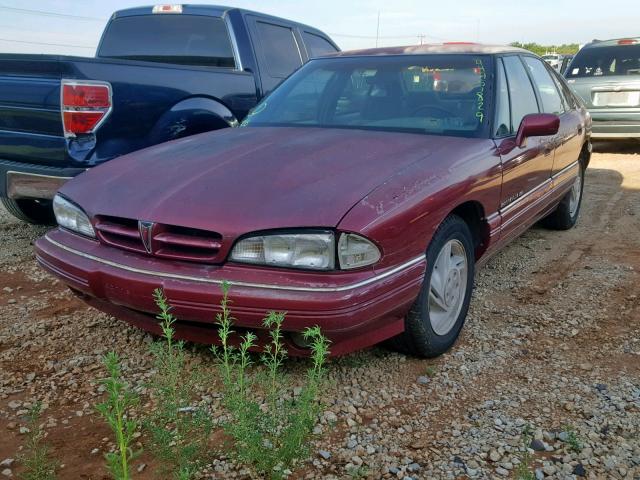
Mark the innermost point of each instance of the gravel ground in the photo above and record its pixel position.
(551, 346)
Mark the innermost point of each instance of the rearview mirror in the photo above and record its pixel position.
(537, 125)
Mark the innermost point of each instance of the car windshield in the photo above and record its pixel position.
(434, 94)
(606, 61)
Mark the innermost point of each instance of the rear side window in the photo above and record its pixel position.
(316, 45)
(523, 98)
(606, 61)
(551, 101)
(280, 49)
(177, 39)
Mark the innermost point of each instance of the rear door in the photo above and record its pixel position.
(527, 169)
(278, 48)
(567, 143)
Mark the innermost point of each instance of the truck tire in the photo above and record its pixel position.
(436, 318)
(36, 212)
(566, 214)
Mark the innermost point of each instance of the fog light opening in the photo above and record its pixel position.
(299, 341)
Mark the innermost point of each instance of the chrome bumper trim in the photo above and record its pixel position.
(33, 185)
(173, 276)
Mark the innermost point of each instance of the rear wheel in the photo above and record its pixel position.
(566, 215)
(436, 318)
(37, 212)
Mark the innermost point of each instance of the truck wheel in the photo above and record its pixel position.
(566, 215)
(37, 212)
(436, 318)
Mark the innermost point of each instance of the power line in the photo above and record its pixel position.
(45, 43)
(98, 19)
(52, 14)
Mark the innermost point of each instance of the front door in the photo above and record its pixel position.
(526, 170)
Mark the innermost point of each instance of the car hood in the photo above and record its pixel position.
(246, 179)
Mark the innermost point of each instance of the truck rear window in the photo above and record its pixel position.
(606, 61)
(178, 39)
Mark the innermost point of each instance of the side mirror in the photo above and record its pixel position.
(537, 125)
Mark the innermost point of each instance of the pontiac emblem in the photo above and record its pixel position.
(145, 234)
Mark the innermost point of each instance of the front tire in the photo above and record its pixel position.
(36, 212)
(566, 214)
(436, 318)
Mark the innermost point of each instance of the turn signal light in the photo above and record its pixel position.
(85, 106)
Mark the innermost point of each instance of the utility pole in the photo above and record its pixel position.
(378, 29)
(421, 38)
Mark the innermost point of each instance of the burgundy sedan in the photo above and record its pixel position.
(359, 196)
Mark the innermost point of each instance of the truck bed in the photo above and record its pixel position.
(30, 117)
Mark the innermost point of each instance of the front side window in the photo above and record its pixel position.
(523, 97)
(435, 94)
(280, 49)
(178, 39)
(606, 61)
(551, 101)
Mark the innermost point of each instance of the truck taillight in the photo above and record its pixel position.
(85, 105)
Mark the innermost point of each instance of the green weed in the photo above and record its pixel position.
(572, 439)
(270, 427)
(178, 427)
(36, 459)
(523, 470)
(120, 400)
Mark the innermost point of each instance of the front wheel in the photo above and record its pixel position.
(37, 212)
(436, 318)
(566, 214)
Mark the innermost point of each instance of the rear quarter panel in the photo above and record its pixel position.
(143, 92)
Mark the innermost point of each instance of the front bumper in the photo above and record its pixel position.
(24, 180)
(616, 123)
(353, 309)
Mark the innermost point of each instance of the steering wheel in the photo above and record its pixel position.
(440, 112)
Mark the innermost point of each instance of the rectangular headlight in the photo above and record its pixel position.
(72, 217)
(315, 251)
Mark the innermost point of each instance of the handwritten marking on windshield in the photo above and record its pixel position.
(480, 94)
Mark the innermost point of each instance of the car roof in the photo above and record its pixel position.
(433, 48)
(613, 42)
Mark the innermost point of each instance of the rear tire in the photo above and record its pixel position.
(437, 316)
(566, 214)
(36, 212)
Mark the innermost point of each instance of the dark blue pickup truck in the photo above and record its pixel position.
(160, 73)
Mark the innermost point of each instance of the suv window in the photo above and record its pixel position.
(523, 98)
(316, 45)
(282, 55)
(551, 101)
(606, 61)
(177, 39)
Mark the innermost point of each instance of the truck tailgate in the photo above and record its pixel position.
(30, 119)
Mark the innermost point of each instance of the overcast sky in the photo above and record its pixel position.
(73, 26)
